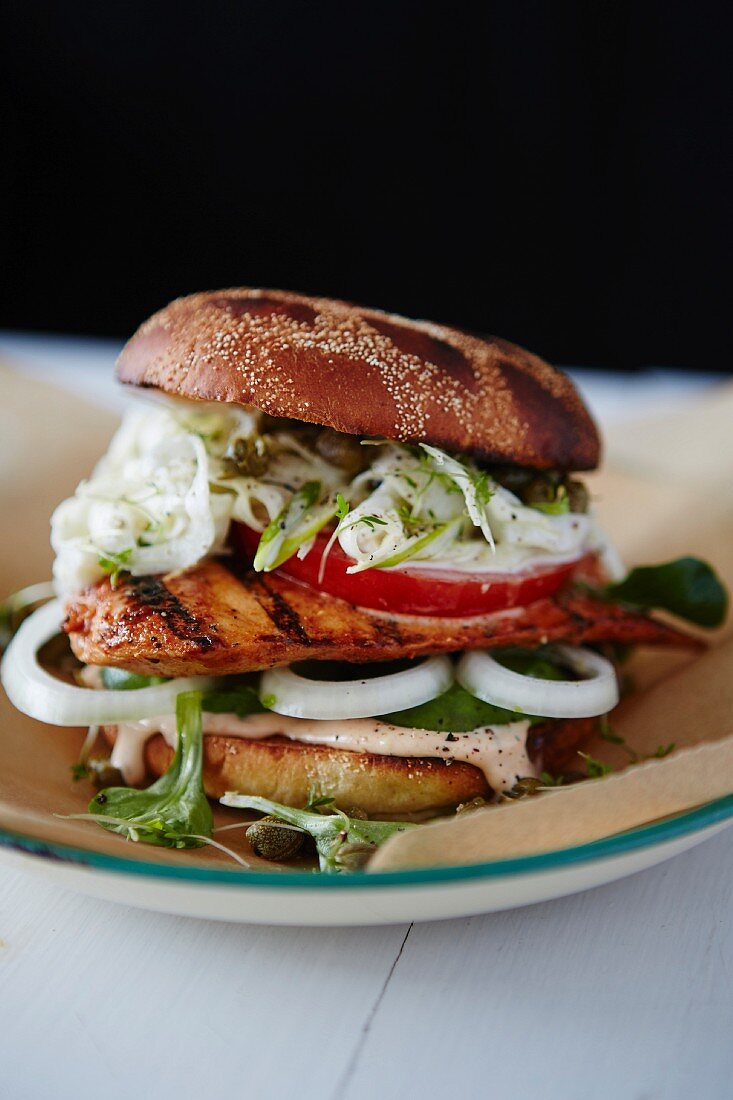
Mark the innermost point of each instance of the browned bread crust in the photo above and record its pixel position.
(209, 619)
(289, 771)
(365, 372)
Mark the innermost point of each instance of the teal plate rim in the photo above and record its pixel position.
(645, 836)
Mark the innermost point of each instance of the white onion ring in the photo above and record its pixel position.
(36, 693)
(485, 678)
(298, 697)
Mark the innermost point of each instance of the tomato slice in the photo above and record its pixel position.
(414, 591)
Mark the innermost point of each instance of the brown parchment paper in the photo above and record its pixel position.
(665, 491)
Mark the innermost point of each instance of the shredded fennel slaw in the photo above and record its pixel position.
(177, 474)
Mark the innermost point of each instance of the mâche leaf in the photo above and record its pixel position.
(687, 587)
(343, 843)
(174, 811)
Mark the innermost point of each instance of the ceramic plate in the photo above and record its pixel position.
(292, 897)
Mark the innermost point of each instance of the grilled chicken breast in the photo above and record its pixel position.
(212, 620)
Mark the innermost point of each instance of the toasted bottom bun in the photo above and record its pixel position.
(289, 771)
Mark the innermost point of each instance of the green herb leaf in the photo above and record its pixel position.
(484, 488)
(343, 843)
(342, 507)
(605, 732)
(552, 780)
(174, 811)
(686, 587)
(370, 521)
(596, 768)
(114, 564)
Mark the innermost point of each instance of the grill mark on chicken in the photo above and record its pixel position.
(149, 595)
(283, 615)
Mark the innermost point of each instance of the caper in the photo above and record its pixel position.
(513, 478)
(474, 804)
(524, 786)
(273, 839)
(341, 450)
(351, 855)
(577, 495)
(245, 458)
(104, 774)
(542, 489)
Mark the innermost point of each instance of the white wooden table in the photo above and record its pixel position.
(622, 992)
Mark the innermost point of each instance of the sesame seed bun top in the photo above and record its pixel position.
(365, 372)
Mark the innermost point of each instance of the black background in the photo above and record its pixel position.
(558, 173)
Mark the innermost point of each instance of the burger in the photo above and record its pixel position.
(338, 558)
